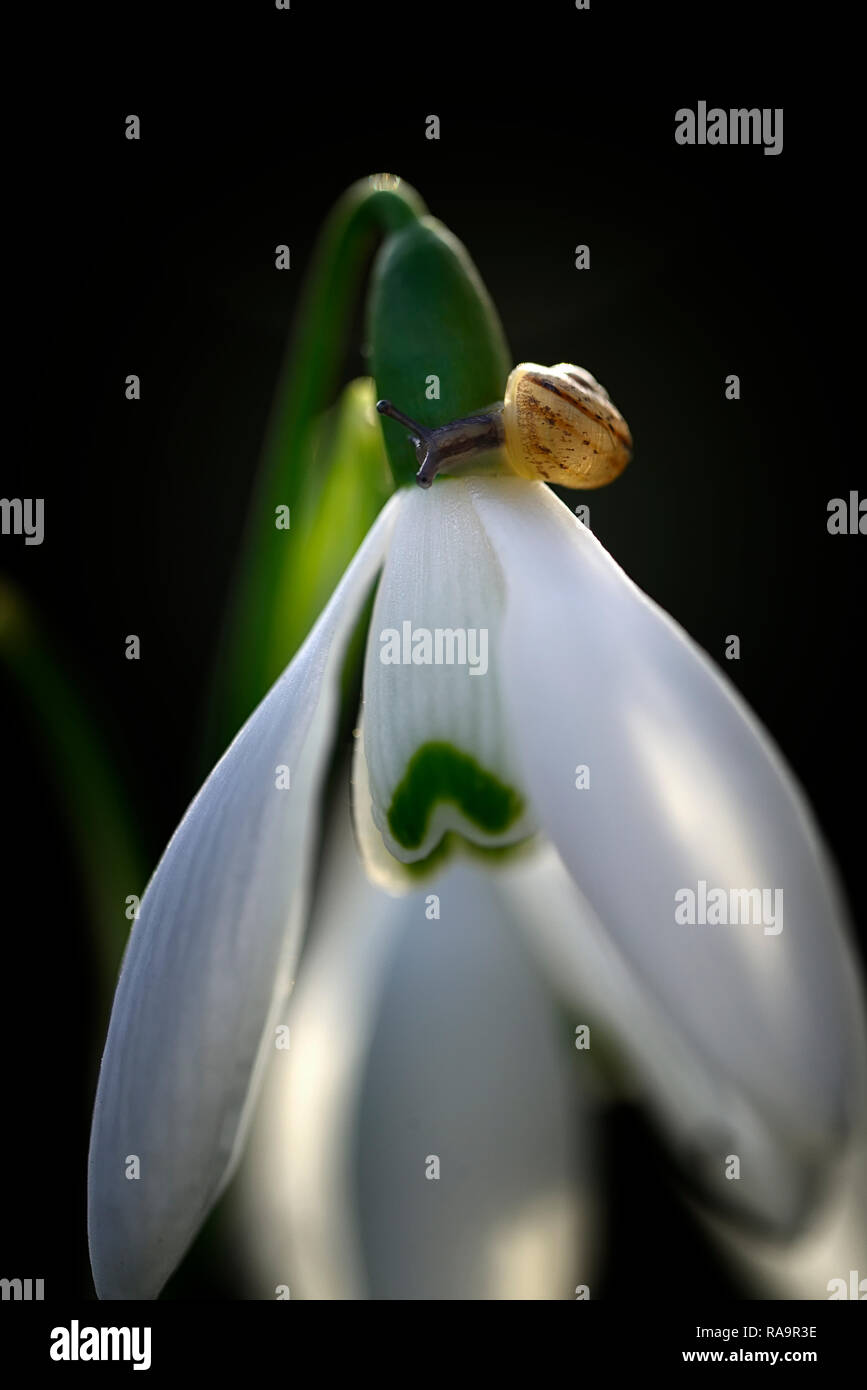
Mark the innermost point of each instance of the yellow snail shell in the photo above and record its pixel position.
(560, 425)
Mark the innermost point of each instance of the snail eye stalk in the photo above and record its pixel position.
(449, 445)
(419, 438)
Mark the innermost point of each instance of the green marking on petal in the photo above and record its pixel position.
(440, 772)
(452, 844)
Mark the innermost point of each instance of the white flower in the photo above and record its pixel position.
(430, 1132)
(749, 1043)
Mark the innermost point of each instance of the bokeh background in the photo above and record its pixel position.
(158, 258)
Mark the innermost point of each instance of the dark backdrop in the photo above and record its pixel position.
(158, 258)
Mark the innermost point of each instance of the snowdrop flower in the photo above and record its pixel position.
(583, 668)
(747, 1037)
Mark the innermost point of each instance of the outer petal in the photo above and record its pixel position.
(703, 1110)
(438, 756)
(684, 787)
(209, 962)
(413, 1037)
(826, 1261)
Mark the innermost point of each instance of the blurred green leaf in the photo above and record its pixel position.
(97, 814)
(340, 497)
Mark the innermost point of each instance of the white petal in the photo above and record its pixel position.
(702, 1110)
(209, 962)
(828, 1260)
(413, 1037)
(684, 787)
(440, 575)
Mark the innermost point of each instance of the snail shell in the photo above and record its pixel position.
(560, 425)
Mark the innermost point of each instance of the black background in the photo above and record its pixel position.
(157, 258)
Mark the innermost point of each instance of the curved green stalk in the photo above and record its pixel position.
(255, 647)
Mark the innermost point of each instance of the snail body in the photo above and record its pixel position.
(555, 423)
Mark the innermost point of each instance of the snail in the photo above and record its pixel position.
(556, 423)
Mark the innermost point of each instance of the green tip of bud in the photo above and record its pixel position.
(436, 342)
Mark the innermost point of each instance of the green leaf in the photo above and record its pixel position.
(338, 500)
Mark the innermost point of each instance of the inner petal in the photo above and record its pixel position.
(434, 743)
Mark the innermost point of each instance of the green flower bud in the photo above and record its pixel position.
(436, 345)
